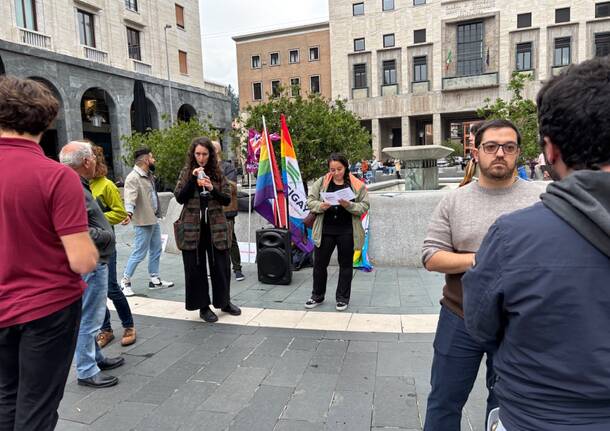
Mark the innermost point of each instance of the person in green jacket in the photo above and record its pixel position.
(108, 197)
(336, 225)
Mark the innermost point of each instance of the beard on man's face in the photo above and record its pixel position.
(498, 169)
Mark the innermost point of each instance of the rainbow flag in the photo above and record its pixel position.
(293, 185)
(269, 200)
(361, 257)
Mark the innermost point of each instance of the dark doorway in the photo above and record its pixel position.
(186, 112)
(397, 137)
(49, 144)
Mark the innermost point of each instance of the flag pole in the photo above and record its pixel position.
(249, 215)
(269, 149)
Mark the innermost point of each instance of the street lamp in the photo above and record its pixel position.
(169, 81)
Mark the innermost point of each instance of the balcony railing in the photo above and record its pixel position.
(360, 93)
(389, 90)
(95, 54)
(420, 87)
(472, 81)
(140, 67)
(34, 38)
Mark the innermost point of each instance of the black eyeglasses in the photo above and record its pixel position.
(509, 148)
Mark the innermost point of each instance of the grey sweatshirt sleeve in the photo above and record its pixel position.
(438, 236)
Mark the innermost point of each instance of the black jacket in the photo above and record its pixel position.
(100, 229)
(540, 290)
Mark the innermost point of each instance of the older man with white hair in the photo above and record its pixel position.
(89, 358)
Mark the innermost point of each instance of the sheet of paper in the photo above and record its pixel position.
(333, 198)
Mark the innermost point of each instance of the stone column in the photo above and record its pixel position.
(376, 137)
(407, 139)
(437, 129)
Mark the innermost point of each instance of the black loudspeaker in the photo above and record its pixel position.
(273, 256)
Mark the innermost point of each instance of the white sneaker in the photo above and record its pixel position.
(156, 283)
(126, 287)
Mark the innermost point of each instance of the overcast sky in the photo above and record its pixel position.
(223, 19)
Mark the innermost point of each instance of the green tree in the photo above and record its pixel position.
(457, 147)
(169, 146)
(234, 101)
(318, 127)
(520, 111)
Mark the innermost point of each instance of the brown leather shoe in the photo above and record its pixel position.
(104, 338)
(129, 337)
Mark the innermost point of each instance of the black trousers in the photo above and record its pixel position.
(235, 255)
(345, 256)
(196, 274)
(35, 359)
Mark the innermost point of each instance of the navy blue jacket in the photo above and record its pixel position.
(540, 290)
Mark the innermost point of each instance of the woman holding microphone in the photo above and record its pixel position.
(202, 231)
(336, 226)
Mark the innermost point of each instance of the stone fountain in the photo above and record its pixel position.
(420, 164)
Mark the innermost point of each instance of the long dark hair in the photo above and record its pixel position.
(338, 157)
(211, 167)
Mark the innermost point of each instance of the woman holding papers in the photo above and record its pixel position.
(338, 199)
(202, 230)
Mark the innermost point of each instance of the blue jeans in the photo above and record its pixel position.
(455, 365)
(115, 294)
(88, 354)
(148, 239)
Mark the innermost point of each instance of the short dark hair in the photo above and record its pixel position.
(574, 113)
(495, 124)
(26, 106)
(141, 152)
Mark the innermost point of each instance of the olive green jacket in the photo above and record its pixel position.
(356, 208)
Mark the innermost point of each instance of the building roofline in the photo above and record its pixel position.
(282, 32)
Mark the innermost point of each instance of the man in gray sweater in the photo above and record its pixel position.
(455, 233)
(88, 357)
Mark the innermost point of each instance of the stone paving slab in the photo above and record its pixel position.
(383, 291)
(215, 377)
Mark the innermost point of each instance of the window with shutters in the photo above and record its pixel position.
(524, 56)
(133, 44)
(562, 55)
(183, 62)
(602, 44)
(562, 15)
(420, 69)
(419, 36)
(524, 20)
(470, 49)
(602, 9)
(360, 76)
(179, 16)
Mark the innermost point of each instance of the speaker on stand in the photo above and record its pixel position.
(273, 256)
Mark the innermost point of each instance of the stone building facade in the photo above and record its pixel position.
(298, 56)
(416, 71)
(91, 53)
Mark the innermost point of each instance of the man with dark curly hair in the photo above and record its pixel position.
(540, 286)
(44, 247)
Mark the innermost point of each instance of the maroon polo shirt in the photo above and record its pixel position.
(40, 201)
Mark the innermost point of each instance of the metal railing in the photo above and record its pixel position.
(34, 38)
(140, 67)
(95, 54)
